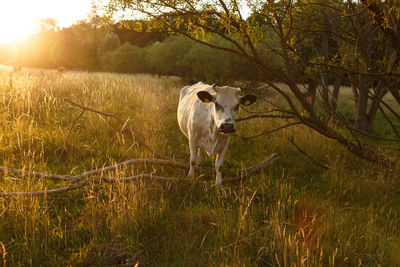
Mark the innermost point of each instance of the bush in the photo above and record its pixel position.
(128, 58)
(109, 43)
(164, 58)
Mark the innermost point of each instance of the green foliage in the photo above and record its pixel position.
(109, 43)
(127, 58)
(165, 57)
(181, 56)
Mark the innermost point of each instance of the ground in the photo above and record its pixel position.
(292, 213)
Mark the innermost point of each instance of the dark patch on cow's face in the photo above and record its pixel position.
(218, 107)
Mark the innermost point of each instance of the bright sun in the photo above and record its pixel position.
(19, 18)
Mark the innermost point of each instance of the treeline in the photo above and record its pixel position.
(95, 46)
(177, 55)
(75, 47)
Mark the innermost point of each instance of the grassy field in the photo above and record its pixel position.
(294, 213)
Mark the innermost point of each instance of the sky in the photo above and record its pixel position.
(18, 18)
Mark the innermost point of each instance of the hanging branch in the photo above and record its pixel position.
(264, 116)
(270, 131)
(305, 154)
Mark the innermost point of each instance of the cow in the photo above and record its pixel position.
(17, 68)
(61, 70)
(206, 116)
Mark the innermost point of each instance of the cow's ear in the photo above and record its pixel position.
(247, 100)
(205, 97)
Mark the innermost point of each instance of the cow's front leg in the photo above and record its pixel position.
(219, 161)
(218, 168)
(194, 153)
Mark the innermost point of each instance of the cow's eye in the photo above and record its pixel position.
(218, 106)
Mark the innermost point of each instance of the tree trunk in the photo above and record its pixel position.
(380, 92)
(361, 104)
(324, 70)
(336, 90)
(361, 117)
(311, 91)
(361, 151)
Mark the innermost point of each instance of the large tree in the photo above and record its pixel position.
(316, 39)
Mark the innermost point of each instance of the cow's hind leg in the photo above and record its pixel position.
(194, 153)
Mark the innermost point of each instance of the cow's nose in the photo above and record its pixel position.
(227, 128)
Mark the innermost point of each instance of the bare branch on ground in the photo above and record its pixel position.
(74, 178)
(97, 180)
(92, 181)
(134, 134)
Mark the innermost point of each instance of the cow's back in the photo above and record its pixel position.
(192, 113)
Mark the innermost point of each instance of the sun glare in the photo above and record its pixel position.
(19, 18)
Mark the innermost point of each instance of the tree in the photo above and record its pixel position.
(199, 20)
(127, 58)
(386, 16)
(109, 43)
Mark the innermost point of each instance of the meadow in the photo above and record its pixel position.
(293, 213)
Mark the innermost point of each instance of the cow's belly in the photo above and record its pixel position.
(214, 146)
(208, 146)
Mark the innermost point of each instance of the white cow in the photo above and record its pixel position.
(206, 115)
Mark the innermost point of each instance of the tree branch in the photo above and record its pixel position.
(308, 156)
(264, 116)
(270, 131)
(97, 180)
(118, 118)
(92, 181)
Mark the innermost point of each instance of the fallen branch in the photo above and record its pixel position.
(74, 178)
(305, 154)
(118, 118)
(115, 136)
(254, 169)
(36, 174)
(96, 180)
(262, 164)
(165, 162)
(92, 181)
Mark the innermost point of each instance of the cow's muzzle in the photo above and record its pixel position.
(227, 128)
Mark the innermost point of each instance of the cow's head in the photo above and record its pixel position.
(226, 101)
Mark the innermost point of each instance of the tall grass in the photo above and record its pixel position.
(292, 214)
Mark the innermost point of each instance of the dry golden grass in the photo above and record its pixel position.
(292, 214)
